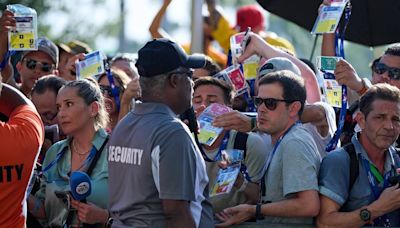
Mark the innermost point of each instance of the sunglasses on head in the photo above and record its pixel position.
(270, 103)
(45, 67)
(107, 90)
(380, 68)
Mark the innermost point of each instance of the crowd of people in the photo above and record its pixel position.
(132, 131)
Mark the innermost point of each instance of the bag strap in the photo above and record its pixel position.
(96, 157)
(354, 166)
(241, 142)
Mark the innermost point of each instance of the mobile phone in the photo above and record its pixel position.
(191, 117)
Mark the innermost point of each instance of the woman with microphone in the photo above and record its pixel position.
(82, 117)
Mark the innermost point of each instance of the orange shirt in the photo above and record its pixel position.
(20, 141)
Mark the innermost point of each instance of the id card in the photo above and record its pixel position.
(329, 17)
(234, 76)
(23, 37)
(250, 67)
(332, 89)
(225, 180)
(208, 133)
(92, 65)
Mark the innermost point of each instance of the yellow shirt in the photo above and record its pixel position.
(224, 31)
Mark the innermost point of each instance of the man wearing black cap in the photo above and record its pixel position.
(157, 176)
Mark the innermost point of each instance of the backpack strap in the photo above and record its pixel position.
(241, 142)
(354, 167)
(96, 157)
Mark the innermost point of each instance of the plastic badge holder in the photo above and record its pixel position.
(23, 36)
(225, 180)
(208, 133)
(329, 17)
(92, 65)
(332, 89)
(234, 76)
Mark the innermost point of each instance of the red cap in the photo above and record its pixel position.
(249, 16)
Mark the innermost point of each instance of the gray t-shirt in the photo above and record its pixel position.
(152, 156)
(334, 180)
(294, 168)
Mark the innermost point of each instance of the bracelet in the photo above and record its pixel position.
(259, 216)
(253, 123)
(366, 85)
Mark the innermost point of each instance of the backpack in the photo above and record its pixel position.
(354, 165)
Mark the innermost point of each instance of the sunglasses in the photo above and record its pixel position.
(270, 103)
(189, 73)
(45, 67)
(107, 90)
(380, 68)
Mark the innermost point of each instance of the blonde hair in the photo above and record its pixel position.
(89, 91)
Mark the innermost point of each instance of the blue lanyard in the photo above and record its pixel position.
(6, 57)
(60, 154)
(114, 91)
(340, 52)
(376, 190)
(276, 146)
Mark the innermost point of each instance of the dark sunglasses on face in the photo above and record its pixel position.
(380, 68)
(270, 103)
(45, 67)
(189, 73)
(107, 90)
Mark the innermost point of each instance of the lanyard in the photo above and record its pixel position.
(262, 187)
(374, 175)
(276, 146)
(221, 148)
(6, 57)
(114, 91)
(340, 52)
(60, 154)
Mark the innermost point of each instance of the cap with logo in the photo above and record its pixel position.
(161, 56)
(277, 64)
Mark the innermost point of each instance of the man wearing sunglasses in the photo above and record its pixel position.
(290, 193)
(33, 64)
(385, 70)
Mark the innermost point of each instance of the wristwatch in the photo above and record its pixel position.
(365, 215)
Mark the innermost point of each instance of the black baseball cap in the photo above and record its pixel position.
(161, 56)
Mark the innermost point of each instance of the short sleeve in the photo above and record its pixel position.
(300, 167)
(334, 176)
(256, 157)
(174, 166)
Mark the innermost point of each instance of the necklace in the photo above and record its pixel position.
(77, 151)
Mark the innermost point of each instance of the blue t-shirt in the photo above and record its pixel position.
(334, 180)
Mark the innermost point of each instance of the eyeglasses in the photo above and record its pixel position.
(380, 68)
(45, 67)
(270, 103)
(189, 73)
(107, 90)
